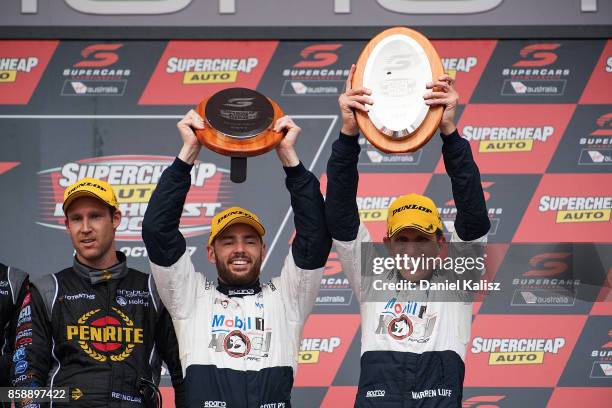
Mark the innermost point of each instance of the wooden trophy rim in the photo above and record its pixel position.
(427, 129)
(253, 146)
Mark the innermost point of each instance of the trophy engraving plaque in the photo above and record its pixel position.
(396, 65)
(239, 124)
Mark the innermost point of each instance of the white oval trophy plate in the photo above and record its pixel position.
(396, 65)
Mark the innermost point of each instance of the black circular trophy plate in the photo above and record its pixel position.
(239, 113)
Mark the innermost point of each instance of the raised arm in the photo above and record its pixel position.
(472, 221)
(301, 274)
(171, 264)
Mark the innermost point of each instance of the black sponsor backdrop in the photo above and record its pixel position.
(45, 135)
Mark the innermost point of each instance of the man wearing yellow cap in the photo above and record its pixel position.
(413, 344)
(98, 327)
(238, 338)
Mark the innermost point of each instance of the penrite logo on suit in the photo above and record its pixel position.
(325, 340)
(190, 71)
(134, 178)
(568, 208)
(22, 64)
(591, 361)
(520, 350)
(465, 61)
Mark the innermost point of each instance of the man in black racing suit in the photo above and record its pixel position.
(98, 327)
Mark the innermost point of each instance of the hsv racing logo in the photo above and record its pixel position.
(316, 72)
(600, 79)
(22, 64)
(325, 342)
(523, 142)
(103, 337)
(240, 337)
(98, 72)
(190, 69)
(400, 327)
(520, 350)
(465, 61)
(568, 208)
(405, 321)
(134, 179)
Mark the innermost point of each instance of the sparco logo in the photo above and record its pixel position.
(104, 337)
(134, 179)
(318, 56)
(537, 55)
(214, 404)
(375, 393)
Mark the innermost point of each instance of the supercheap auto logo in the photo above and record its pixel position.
(316, 72)
(312, 348)
(534, 73)
(190, 69)
(96, 72)
(22, 64)
(99, 335)
(523, 142)
(577, 209)
(520, 350)
(596, 148)
(568, 208)
(465, 61)
(134, 179)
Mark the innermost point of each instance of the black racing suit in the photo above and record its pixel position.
(424, 368)
(13, 286)
(98, 332)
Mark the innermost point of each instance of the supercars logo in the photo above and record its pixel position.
(507, 139)
(103, 337)
(537, 55)
(318, 56)
(517, 351)
(311, 348)
(577, 209)
(134, 179)
(335, 287)
(99, 55)
(483, 401)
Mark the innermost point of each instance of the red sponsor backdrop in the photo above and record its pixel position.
(22, 65)
(487, 126)
(482, 372)
(543, 222)
(189, 71)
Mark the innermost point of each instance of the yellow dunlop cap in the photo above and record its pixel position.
(90, 187)
(413, 211)
(231, 216)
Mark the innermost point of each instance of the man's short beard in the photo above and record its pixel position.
(229, 278)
